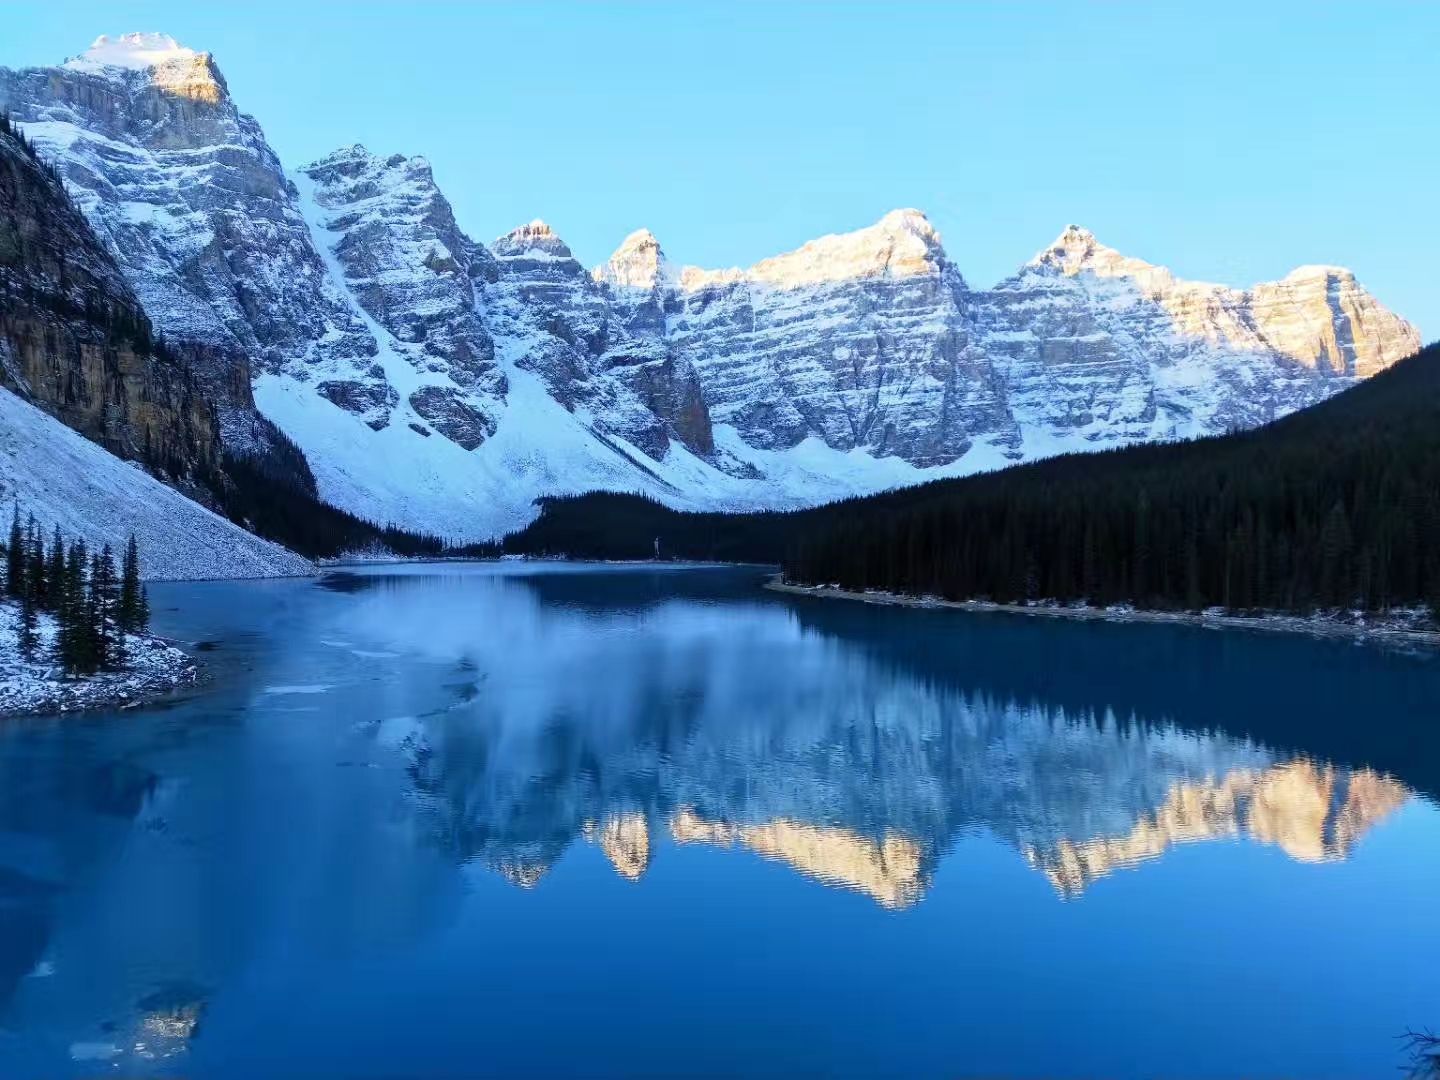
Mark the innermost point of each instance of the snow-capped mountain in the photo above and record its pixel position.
(859, 341)
(435, 382)
(191, 200)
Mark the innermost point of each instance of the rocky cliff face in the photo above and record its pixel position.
(1096, 347)
(436, 382)
(559, 322)
(873, 340)
(858, 340)
(74, 339)
(189, 198)
(412, 272)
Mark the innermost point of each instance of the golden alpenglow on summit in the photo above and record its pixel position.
(567, 514)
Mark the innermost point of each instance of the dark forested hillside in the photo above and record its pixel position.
(604, 525)
(1335, 506)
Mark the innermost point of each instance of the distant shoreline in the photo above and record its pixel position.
(1275, 623)
(578, 560)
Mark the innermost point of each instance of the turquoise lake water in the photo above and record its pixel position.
(515, 819)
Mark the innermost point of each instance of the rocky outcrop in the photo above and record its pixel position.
(558, 321)
(412, 271)
(189, 198)
(407, 262)
(448, 412)
(74, 339)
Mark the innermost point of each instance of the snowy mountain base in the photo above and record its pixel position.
(39, 685)
(67, 481)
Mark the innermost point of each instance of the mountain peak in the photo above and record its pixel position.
(639, 240)
(357, 161)
(1073, 241)
(1076, 249)
(1319, 270)
(903, 243)
(533, 239)
(638, 263)
(134, 52)
(910, 220)
(355, 152)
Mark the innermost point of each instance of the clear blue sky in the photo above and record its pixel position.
(1228, 141)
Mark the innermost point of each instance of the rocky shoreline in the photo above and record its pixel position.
(1401, 629)
(156, 667)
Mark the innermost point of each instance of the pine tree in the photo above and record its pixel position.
(15, 558)
(134, 606)
(28, 638)
(76, 641)
(55, 570)
(101, 606)
(35, 586)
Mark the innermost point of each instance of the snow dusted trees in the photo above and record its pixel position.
(15, 559)
(94, 607)
(134, 605)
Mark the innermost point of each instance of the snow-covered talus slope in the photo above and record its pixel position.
(66, 480)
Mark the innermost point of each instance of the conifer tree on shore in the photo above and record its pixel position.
(15, 559)
(95, 607)
(134, 605)
(28, 638)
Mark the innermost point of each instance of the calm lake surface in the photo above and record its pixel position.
(464, 820)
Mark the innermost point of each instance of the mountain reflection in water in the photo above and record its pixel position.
(619, 715)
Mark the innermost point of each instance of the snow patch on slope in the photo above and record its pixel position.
(66, 480)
